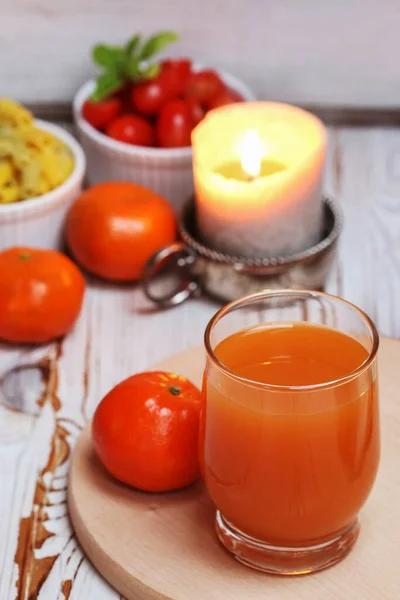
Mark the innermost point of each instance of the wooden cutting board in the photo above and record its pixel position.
(158, 547)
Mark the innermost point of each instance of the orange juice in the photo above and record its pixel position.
(287, 464)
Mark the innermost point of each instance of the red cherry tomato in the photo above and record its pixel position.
(174, 125)
(182, 66)
(131, 129)
(124, 94)
(227, 97)
(204, 86)
(197, 111)
(176, 73)
(100, 114)
(149, 96)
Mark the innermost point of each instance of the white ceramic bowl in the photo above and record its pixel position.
(39, 222)
(166, 171)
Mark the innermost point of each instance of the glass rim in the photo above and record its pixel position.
(265, 294)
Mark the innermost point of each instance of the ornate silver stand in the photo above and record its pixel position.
(225, 277)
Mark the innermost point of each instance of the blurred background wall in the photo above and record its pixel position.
(337, 53)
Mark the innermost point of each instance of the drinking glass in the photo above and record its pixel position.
(290, 457)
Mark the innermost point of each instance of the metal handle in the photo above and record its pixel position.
(189, 286)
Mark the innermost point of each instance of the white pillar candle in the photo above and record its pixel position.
(258, 169)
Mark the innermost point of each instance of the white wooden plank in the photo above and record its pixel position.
(337, 53)
(369, 191)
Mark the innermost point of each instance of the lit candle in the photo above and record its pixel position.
(258, 171)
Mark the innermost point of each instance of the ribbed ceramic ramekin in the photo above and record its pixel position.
(166, 171)
(39, 222)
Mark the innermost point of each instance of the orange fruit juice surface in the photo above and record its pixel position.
(291, 467)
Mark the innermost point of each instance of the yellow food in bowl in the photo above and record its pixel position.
(32, 161)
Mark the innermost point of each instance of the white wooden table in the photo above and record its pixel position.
(119, 333)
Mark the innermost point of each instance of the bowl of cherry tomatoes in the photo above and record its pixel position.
(141, 133)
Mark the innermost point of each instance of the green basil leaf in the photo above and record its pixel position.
(132, 45)
(156, 43)
(150, 71)
(106, 56)
(132, 69)
(106, 85)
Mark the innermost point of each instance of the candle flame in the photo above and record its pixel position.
(251, 154)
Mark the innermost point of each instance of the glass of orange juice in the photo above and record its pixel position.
(290, 429)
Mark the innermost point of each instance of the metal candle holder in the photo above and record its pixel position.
(226, 277)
